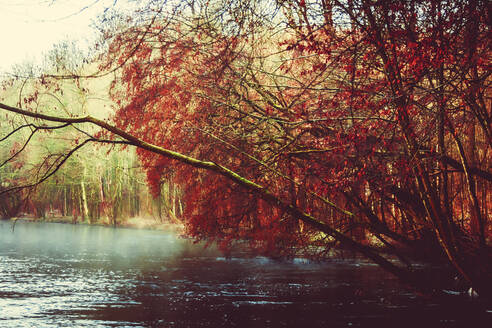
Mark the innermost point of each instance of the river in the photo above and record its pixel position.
(59, 275)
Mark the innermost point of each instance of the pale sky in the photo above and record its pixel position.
(30, 27)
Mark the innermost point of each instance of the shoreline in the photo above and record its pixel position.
(130, 223)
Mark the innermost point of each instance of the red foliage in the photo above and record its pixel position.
(360, 123)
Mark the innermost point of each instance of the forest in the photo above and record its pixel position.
(297, 128)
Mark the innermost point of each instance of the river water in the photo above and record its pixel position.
(58, 275)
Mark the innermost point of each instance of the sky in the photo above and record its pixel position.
(29, 28)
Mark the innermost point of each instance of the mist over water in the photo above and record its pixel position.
(56, 275)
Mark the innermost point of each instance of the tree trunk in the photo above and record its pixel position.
(85, 208)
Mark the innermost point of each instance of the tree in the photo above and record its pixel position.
(416, 63)
(346, 131)
(93, 185)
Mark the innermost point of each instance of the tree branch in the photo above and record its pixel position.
(259, 190)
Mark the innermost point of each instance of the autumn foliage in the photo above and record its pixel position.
(372, 117)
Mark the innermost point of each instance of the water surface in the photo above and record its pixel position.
(57, 275)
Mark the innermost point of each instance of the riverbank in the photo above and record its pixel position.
(129, 223)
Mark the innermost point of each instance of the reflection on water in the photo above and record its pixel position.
(55, 275)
